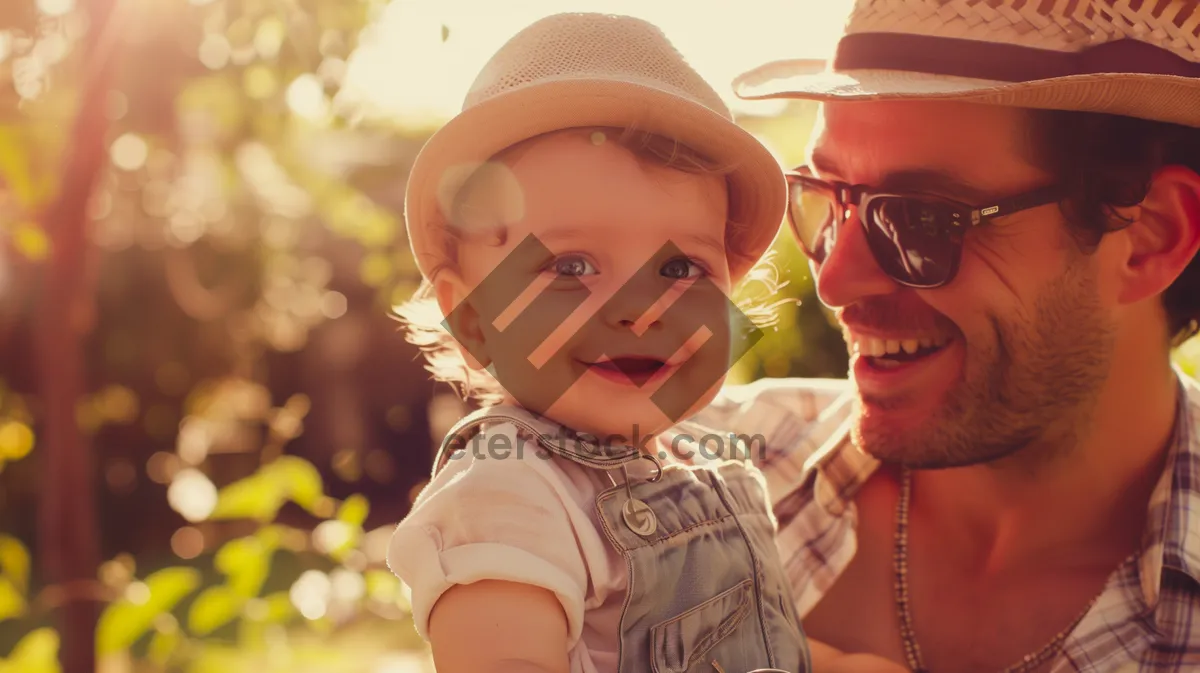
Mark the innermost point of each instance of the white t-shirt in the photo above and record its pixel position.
(529, 517)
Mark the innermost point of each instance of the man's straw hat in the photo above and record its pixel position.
(580, 70)
(1139, 58)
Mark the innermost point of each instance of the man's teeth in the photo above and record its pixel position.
(873, 347)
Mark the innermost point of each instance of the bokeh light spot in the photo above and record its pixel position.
(306, 97)
(192, 495)
(31, 241)
(260, 82)
(333, 305)
(380, 466)
(118, 404)
(162, 466)
(310, 594)
(137, 593)
(214, 51)
(195, 439)
(16, 440)
(129, 152)
(187, 542)
(55, 7)
(269, 38)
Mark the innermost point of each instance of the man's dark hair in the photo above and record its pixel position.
(1108, 161)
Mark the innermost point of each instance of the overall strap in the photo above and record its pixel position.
(552, 436)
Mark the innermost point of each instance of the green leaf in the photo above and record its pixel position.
(354, 510)
(162, 645)
(214, 608)
(384, 587)
(16, 169)
(260, 495)
(31, 241)
(274, 608)
(299, 479)
(12, 603)
(14, 562)
(123, 622)
(37, 652)
(1187, 357)
(247, 562)
(271, 536)
(279, 608)
(255, 497)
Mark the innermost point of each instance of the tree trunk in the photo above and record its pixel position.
(68, 527)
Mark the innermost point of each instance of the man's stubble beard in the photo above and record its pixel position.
(1031, 391)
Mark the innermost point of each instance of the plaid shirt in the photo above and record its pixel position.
(1147, 618)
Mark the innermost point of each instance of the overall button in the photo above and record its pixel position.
(639, 517)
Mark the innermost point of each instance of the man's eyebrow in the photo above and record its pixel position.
(921, 180)
(933, 181)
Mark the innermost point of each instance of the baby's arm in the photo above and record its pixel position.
(491, 554)
(494, 626)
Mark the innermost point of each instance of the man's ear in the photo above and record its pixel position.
(1164, 238)
(462, 319)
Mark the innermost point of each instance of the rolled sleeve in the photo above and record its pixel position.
(492, 519)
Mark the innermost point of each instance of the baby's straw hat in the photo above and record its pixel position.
(580, 70)
(1138, 58)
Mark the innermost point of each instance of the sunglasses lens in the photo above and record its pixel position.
(914, 241)
(811, 214)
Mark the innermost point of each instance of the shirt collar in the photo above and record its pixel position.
(1172, 537)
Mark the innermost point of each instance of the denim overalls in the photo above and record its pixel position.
(706, 589)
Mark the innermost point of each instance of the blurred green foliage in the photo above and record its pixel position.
(227, 154)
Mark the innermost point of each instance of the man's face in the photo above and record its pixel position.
(1014, 349)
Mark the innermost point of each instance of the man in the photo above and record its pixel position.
(1002, 204)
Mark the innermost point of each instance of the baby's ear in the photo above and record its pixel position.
(462, 320)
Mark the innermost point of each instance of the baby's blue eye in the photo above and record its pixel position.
(681, 268)
(572, 266)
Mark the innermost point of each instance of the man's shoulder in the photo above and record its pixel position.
(795, 398)
(780, 417)
(1191, 389)
(1189, 414)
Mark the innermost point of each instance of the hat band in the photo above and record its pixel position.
(976, 59)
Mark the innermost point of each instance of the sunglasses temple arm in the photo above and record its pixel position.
(1016, 204)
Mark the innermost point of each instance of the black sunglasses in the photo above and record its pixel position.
(917, 239)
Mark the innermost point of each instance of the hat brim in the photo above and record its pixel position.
(1164, 98)
(483, 130)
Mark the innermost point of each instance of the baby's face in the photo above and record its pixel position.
(606, 305)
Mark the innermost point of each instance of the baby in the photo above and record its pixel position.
(580, 227)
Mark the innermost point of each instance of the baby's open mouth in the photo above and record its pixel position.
(636, 369)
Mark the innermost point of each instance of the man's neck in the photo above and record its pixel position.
(1086, 505)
